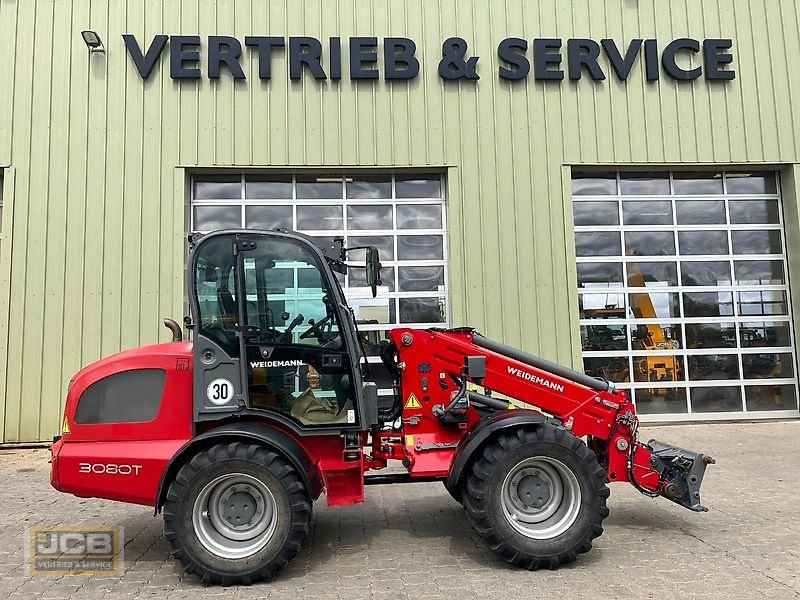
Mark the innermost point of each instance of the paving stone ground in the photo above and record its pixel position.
(413, 541)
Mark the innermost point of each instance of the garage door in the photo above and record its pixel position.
(683, 291)
(402, 214)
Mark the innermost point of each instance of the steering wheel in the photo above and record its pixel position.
(320, 329)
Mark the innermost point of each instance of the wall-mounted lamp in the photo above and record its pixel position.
(93, 41)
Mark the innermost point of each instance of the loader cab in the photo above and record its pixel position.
(273, 335)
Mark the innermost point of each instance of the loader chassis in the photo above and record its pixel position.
(267, 408)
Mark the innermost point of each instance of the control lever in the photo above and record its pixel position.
(295, 322)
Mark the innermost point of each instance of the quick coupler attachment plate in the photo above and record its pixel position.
(681, 472)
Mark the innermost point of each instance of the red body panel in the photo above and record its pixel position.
(126, 461)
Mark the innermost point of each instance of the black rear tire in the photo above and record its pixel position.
(251, 476)
(556, 458)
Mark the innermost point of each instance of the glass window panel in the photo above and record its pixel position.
(599, 275)
(654, 305)
(716, 399)
(767, 366)
(710, 335)
(602, 306)
(759, 335)
(611, 368)
(771, 397)
(700, 212)
(604, 335)
(384, 244)
(658, 368)
(766, 302)
(419, 216)
(209, 218)
(594, 184)
(420, 247)
(596, 213)
(646, 274)
(313, 187)
(753, 211)
(705, 367)
(279, 280)
(647, 212)
(268, 187)
(217, 187)
(372, 341)
(319, 217)
(378, 372)
(373, 216)
(418, 186)
(703, 242)
(358, 277)
(420, 279)
(707, 304)
(593, 243)
(759, 272)
(421, 310)
(369, 187)
(309, 279)
(649, 243)
(751, 183)
(686, 184)
(761, 241)
(660, 400)
(374, 311)
(656, 336)
(706, 273)
(641, 184)
(268, 217)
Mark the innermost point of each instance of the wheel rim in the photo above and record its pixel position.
(234, 516)
(541, 497)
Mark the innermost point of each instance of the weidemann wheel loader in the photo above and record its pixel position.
(234, 434)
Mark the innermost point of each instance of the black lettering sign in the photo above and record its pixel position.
(264, 45)
(226, 50)
(546, 52)
(714, 59)
(621, 66)
(363, 51)
(512, 51)
(583, 53)
(399, 61)
(184, 50)
(144, 64)
(305, 51)
(669, 59)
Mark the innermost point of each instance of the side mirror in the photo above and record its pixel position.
(373, 270)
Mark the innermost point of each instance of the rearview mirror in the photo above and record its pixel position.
(373, 270)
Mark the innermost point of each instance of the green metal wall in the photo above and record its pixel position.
(92, 253)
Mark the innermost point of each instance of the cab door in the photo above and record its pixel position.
(268, 333)
(298, 362)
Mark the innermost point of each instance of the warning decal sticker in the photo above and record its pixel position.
(412, 402)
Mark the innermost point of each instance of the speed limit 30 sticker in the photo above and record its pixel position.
(219, 391)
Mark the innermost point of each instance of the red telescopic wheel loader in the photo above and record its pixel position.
(234, 434)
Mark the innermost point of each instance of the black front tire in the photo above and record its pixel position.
(268, 472)
(497, 461)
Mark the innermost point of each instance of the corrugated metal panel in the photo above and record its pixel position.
(99, 203)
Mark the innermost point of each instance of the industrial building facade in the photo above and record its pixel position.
(611, 185)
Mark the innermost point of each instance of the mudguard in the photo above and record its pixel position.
(245, 432)
(486, 428)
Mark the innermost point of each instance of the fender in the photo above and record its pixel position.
(246, 432)
(486, 428)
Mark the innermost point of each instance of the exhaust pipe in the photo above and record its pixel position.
(545, 365)
(177, 332)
